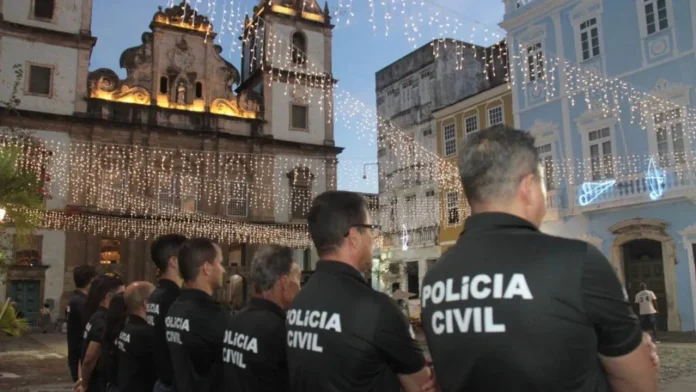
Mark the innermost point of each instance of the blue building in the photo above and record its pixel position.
(607, 88)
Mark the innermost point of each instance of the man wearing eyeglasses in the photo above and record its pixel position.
(342, 334)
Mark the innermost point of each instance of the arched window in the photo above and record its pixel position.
(299, 48)
(199, 90)
(164, 84)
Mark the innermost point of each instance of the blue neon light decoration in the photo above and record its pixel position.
(590, 191)
(656, 179)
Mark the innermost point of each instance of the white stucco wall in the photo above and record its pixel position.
(67, 14)
(281, 44)
(64, 81)
(283, 96)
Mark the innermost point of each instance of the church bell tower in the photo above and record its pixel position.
(286, 59)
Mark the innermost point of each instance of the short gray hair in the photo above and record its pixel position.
(270, 263)
(492, 163)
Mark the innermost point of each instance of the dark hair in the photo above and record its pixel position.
(115, 321)
(494, 161)
(165, 247)
(270, 263)
(46, 305)
(101, 286)
(83, 274)
(332, 215)
(193, 254)
(643, 286)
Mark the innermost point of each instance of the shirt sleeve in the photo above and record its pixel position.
(652, 295)
(393, 340)
(606, 303)
(637, 298)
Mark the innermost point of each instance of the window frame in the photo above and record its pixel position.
(176, 196)
(298, 56)
(449, 126)
(291, 117)
(452, 203)
(33, 16)
(543, 161)
(668, 125)
(535, 50)
(588, 30)
(467, 132)
(27, 79)
(600, 143)
(502, 115)
(230, 198)
(656, 10)
(294, 186)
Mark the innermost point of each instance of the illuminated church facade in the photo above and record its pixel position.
(251, 145)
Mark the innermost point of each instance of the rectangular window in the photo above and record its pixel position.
(450, 140)
(178, 193)
(300, 198)
(429, 193)
(43, 9)
(453, 209)
(298, 117)
(471, 124)
(602, 162)
(656, 18)
(535, 61)
(589, 39)
(670, 138)
(40, 80)
(427, 131)
(238, 202)
(495, 116)
(546, 159)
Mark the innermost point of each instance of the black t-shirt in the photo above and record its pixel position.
(136, 360)
(157, 307)
(511, 309)
(254, 349)
(195, 328)
(93, 333)
(345, 336)
(76, 324)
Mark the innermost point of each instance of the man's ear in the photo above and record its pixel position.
(173, 262)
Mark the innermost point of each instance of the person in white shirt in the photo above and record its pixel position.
(647, 302)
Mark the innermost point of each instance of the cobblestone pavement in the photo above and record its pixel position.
(38, 363)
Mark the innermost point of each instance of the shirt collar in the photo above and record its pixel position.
(496, 220)
(135, 319)
(168, 284)
(80, 293)
(257, 303)
(339, 268)
(196, 294)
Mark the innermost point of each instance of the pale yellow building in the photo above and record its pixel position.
(455, 122)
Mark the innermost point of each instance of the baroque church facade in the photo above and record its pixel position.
(270, 121)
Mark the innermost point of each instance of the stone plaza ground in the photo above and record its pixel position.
(37, 363)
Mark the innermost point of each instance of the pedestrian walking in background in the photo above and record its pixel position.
(647, 303)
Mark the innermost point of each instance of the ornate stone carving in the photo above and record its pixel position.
(543, 128)
(180, 58)
(105, 84)
(183, 16)
(138, 60)
(247, 102)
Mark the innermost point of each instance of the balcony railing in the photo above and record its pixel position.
(419, 237)
(636, 188)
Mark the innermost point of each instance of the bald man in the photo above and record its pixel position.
(136, 360)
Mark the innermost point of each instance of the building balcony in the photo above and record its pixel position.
(419, 238)
(634, 189)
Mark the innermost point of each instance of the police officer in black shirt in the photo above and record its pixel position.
(136, 359)
(82, 276)
(103, 288)
(342, 334)
(254, 346)
(163, 252)
(195, 324)
(511, 309)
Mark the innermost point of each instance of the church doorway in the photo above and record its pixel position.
(643, 263)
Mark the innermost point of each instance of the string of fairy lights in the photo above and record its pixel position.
(183, 185)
